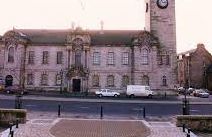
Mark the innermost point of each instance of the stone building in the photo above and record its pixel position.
(194, 68)
(80, 60)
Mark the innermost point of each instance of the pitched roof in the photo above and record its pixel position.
(187, 52)
(98, 37)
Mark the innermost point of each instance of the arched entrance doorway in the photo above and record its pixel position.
(76, 85)
(8, 81)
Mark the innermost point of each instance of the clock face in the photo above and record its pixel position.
(162, 4)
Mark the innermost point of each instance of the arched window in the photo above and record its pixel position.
(44, 79)
(164, 80)
(95, 81)
(125, 80)
(30, 79)
(145, 80)
(144, 57)
(58, 79)
(11, 52)
(110, 81)
(78, 58)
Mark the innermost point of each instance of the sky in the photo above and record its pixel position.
(193, 17)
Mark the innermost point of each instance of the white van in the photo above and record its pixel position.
(139, 90)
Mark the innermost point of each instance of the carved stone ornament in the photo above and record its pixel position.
(145, 39)
(77, 71)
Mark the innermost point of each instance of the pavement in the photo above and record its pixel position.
(42, 124)
(60, 127)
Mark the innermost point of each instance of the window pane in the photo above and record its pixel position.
(59, 57)
(44, 79)
(164, 81)
(58, 79)
(110, 59)
(144, 57)
(31, 57)
(11, 55)
(125, 81)
(96, 81)
(110, 81)
(30, 79)
(96, 58)
(45, 57)
(125, 58)
(145, 80)
(78, 58)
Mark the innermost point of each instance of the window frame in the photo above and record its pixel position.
(110, 81)
(95, 81)
(59, 57)
(145, 57)
(30, 79)
(111, 58)
(44, 79)
(96, 58)
(31, 57)
(11, 56)
(125, 58)
(45, 59)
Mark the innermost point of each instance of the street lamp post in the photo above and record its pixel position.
(61, 81)
(185, 104)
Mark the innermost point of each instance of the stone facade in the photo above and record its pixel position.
(93, 59)
(192, 67)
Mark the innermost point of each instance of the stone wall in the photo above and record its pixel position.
(196, 122)
(8, 116)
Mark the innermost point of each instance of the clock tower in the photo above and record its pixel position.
(160, 21)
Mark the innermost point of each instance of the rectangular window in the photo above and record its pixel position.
(96, 58)
(125, 58)
(160, 59)
(31, 57)
(59, 57)
(110, 59)
(44, 79)
(30, 79)
(45, 57)
(167, 60)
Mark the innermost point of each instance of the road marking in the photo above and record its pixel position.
(193, 110)
(137, 109)
(84, 107)
(31, 105)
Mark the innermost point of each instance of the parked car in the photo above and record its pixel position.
(107, 93)
(15, 89)
(201, 93)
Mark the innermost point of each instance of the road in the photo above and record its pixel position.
(109, 108)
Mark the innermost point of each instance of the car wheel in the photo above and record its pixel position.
(149, 96)
(132, 96)
(100, 95)
(116, 95)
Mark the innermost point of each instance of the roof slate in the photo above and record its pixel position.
(98, 37)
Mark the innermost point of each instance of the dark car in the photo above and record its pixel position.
(15, 89)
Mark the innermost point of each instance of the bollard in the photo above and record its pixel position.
(183, 127)
(165, 95)
(188, 134)
(144, 112)
(12, 133)
(59, 109)
(101, 112)
(16, 123)
(11, 126)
